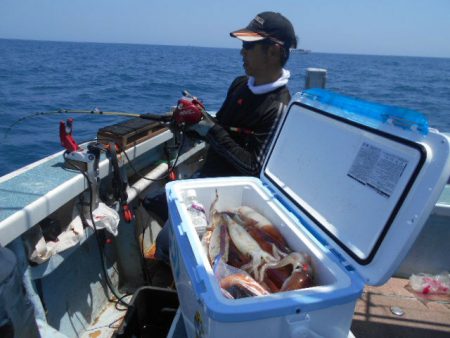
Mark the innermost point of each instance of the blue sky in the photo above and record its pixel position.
(381, 27)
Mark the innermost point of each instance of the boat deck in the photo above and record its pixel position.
(422, 318)
(373, 316)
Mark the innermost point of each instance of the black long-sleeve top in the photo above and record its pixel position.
(234, 153)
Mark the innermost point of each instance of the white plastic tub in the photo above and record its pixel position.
(278, 315)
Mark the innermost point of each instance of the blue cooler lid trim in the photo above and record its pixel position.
(367, 113)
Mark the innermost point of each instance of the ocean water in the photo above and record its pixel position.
(39, 76)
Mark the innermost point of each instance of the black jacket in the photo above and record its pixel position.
(234, 153)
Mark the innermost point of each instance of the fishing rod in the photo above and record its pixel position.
(147, 116)
(167, 117)
(189, 110)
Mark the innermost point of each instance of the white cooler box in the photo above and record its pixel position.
(350, 183)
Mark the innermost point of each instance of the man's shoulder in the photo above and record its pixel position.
(282, 94)
(238, 81)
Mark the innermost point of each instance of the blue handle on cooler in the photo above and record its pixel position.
(200, 276)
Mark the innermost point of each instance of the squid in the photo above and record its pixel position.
(237, 258)
(220, 240)
(299, 279)
(206, 240)
(301, 275)
(242, 285)
(248, 246)
(266, 241)
(251, 217)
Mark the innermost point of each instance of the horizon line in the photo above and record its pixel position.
(214, 47)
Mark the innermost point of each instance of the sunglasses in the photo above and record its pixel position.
(250, 45)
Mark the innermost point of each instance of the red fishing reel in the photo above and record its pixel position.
(189, 110)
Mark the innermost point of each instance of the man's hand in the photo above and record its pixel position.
(205, 124)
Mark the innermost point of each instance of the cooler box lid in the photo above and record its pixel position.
(363, 177)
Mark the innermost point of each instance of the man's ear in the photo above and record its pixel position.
(276, 52)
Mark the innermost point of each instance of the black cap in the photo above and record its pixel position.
(268, 25)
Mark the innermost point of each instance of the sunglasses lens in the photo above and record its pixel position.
(248, 45)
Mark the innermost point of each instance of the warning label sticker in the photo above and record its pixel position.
(377, 169)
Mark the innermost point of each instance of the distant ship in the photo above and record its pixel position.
(302, 51)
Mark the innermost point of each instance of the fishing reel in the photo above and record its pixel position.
(189, 110)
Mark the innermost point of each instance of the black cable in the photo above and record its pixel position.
(120, 319)
(121, 301)
(102, 260)
(179, 150)
(130, 163)
(170, 168)
(105, 274)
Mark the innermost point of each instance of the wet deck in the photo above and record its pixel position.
(421, 318)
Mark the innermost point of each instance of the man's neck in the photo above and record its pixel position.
(268, 77)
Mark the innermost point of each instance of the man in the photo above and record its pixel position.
(240, 134)
(244, 125)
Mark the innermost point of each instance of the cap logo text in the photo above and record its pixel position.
(259, 20)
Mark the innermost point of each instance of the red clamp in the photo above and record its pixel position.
(127, 213)
(172, 175)
(65, 135)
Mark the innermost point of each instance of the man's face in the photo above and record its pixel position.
(256, 58)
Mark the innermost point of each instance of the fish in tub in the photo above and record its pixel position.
(229, 285)
(249, 255)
